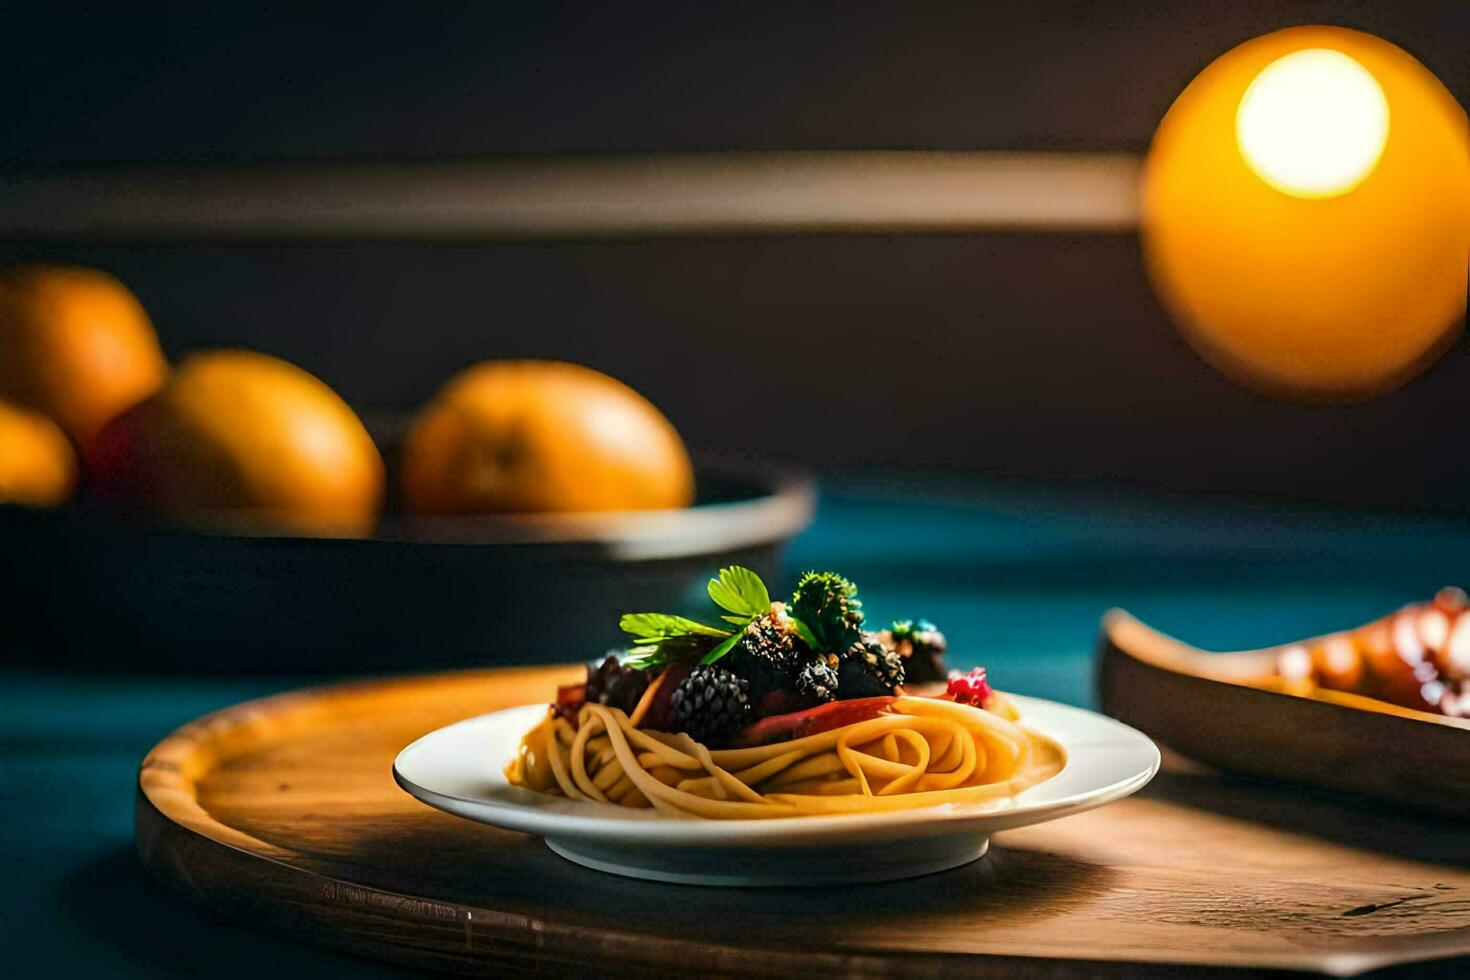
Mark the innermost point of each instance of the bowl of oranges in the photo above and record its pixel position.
(229, 511)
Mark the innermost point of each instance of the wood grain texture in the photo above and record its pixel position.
(283, 813)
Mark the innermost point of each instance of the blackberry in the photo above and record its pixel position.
(614, 685)
(767, 655)
(711, 705)
(869, 669)
(922, 648)
(818, 680)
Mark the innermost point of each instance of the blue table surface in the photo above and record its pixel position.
(1016, 574)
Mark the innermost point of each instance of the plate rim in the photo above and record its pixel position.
(677, 832)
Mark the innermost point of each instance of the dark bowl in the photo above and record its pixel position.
(82, 588)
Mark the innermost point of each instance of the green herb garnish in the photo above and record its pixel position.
(663, 639)
(657, 627)
(828, 603)
(741, 592)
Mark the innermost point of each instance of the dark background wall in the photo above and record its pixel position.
(189, 81)
(1022, 354)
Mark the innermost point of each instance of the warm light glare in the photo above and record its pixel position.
(1313, 123)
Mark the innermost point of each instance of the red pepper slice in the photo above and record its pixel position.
(812, 721)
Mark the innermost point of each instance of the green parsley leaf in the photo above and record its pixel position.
(805, 632)
(662, 638)
(661, 626)
(725, 647)
(642, 657)
(740, 591)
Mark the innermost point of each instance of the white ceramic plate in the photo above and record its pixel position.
(458, 769)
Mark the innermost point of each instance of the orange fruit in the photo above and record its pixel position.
(529, 436)
(75, 344)
(37, 463)
(244, 440)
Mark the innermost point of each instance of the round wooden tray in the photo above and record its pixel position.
(283, 813)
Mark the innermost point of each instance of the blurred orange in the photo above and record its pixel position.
(76, 344)
(37, 463)
(529, 436)
(243, 440)
(1309, 298)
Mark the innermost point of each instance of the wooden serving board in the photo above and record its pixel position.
(283, 813)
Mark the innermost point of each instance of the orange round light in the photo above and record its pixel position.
(1306, 214)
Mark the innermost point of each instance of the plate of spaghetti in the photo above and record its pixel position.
(786, 745)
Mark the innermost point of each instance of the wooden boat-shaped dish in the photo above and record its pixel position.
(1229, 711)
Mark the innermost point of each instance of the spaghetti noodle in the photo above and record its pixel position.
(917, 752)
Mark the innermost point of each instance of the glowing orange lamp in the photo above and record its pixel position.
(1306, 214)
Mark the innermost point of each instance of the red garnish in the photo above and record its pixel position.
(971, 688)
(659, 711)
(569, 700)
(812, 721)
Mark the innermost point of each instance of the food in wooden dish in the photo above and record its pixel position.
(789, 709)
(1417, 657)
(542, 437)
(1318, 711)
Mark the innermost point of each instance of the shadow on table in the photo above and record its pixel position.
(440, 857)
(1351, 821)
(141, 928)
(148, 930)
